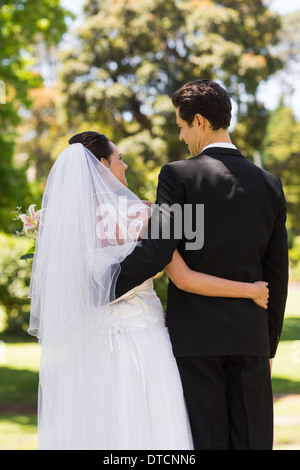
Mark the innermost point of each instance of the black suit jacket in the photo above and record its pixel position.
(244, 239)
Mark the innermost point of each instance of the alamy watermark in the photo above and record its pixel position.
(2, 93)
(166, 222)
(179, 222)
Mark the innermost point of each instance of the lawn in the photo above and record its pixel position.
(286, 365)
(19, 365)
(286, 377)
(18, 393)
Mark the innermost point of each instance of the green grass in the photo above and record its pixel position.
(19, 365)
(286, 379)
(286, 364)
(18, 395)
(19, 374)
(18, 431)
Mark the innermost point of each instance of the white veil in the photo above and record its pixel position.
(90, 222)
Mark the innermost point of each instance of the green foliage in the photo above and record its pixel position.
(22, 27)
(280, 154)
(43, 135)
(130, 57)
(14, 283)
(13, 183)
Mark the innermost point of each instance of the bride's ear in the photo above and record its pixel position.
(104, 161)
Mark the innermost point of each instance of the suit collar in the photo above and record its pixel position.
(221, 151)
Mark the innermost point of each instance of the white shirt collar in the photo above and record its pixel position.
(220, 144)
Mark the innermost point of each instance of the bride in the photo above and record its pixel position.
(108, 378)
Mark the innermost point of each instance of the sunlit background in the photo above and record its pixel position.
(111, 66)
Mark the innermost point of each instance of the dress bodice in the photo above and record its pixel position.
(139, 308)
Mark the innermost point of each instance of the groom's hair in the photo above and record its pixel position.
(204, 97)
(96, 143)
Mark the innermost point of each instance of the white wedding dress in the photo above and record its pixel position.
(139, 403)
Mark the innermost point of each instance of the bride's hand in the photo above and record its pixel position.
(261, 294)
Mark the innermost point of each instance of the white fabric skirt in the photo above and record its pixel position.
(131, 396)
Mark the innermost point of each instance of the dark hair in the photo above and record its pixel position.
(206, 98)
(97, 143)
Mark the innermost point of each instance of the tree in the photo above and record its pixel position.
(22, 27)
(289, 50)
(280, 155)
(129, 57)
(40, 134)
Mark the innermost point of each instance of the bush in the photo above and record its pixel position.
(14, 284)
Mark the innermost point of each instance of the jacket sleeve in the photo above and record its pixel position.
(275, 271)
(157, 246)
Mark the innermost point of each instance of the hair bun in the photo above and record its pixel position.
(74, 140)
(96, 143)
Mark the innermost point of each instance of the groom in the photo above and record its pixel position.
(222, 346)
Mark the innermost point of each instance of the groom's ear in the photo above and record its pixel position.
(199, 119)
(201, 122)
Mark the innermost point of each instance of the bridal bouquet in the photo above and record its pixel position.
(30, 228)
